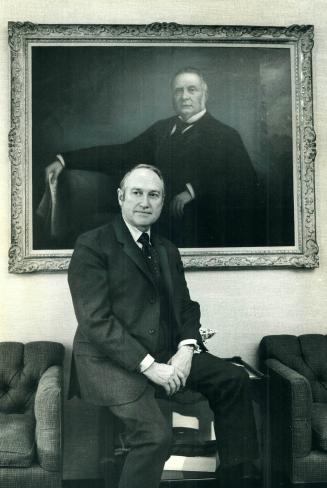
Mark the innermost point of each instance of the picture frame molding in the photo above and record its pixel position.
(24, 259)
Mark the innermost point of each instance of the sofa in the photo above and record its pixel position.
(297, 368)
(31, 414)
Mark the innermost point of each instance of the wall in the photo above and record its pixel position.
(242, 305)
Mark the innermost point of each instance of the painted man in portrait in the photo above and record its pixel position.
(211, 183)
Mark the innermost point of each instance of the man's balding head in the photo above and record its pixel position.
(141, 196)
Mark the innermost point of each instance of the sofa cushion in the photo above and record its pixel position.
(319, 425)
(16, 440)
(306, 354)
(21, 367)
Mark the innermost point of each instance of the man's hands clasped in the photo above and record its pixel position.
(172, 376)
(182, 361)
(165, 375)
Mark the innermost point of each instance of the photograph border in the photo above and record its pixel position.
(22, 257)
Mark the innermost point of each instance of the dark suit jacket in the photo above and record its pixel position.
(211, 156)
(117, 307)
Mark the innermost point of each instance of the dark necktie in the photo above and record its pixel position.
(150, 255)
(180, 127)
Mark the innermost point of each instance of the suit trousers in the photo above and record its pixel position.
(149, 435)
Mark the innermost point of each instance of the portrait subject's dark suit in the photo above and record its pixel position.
(119, 308)
(211, 157)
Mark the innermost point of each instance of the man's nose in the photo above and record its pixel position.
(185, 94)
(145, 201)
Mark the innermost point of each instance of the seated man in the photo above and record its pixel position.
(138, 337)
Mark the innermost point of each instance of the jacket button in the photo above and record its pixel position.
(152, 299)
(151, 331)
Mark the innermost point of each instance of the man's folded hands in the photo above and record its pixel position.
(172, 376)
(167, 376)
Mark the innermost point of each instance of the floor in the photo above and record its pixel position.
(189, 484)
(99, 484)
(164, 484)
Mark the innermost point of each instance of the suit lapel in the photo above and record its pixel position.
(131, 248)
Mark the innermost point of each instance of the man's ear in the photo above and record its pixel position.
(120, 194)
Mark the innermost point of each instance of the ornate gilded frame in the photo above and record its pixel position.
(298, 38)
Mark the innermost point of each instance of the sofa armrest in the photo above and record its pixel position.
(48, 415)
(290, 407)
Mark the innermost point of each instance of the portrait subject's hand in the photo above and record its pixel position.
(52, 171)
(182, 361)
(178, 203)
(166, 376)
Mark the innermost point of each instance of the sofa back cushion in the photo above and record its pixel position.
(21, 367)
(306, 354)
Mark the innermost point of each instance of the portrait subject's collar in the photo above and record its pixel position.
(195, 117)
(190, 122)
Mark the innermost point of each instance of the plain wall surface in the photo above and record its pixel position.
(242, 305)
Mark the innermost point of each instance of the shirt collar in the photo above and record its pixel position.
(136, 233)
(195, 117)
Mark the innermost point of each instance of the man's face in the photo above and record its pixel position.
(189, 95)
(142, 199)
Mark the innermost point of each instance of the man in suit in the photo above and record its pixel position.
(210, 181)
(138, 337)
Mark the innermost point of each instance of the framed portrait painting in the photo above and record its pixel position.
(99, 99)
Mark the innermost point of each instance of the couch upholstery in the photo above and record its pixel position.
(30, 414)
(297, 368)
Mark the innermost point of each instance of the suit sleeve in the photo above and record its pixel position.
(112, 158)
(88, 282)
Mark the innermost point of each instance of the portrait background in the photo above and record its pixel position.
(86, 96)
